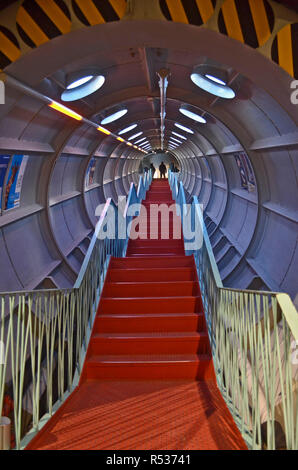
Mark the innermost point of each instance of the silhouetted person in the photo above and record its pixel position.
(162, 170)
(152, 168)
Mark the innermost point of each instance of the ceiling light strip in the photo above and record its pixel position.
(163, 84)
(60, 107)
(127, 129)
(179, 135)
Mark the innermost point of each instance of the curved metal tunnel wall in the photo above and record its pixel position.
(44, 241)
(253, 233)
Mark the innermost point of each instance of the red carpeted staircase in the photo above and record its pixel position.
(148, 378)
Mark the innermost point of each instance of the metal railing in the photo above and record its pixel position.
(45, 333)
(254, 339)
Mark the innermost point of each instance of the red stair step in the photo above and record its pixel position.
(157, 244)
(147, 204)
(185, 304)
(153, 252)
(152, 262)
(150, 274)
(121, 323)
(159, 198)
(184, 366)
(149, 343)
(150, 289)
(158, 254)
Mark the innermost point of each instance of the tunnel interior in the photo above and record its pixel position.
(156, 158)
(241, 163)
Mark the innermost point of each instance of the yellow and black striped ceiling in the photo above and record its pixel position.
(39, 21)
(252, 22)
(249, 21)
(188, 11)
(9, 47)
(285, 49)
(91, 12)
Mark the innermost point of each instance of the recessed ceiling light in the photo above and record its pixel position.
(191, 115)
(215, 79)
(79, 82)
(175, 140)
(140, 140)
(135, 136)
(113, 117)
(179, 135)
(82, 87)
(209, 85)
(144, 143)
(186, 129)
(127, 129)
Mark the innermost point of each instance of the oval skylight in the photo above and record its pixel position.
(113, 117)
(215, 79)
(179, 135)
(140, 140)
(186, 129)
(191, 115)
(127, 129)
(83, 87)
(209, 85)
(173, 139)
(135, 136)
(80, 82)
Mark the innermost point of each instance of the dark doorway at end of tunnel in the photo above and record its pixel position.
(156, 158)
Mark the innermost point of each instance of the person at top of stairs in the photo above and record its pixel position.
(162, 170)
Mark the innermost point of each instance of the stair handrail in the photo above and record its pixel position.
(291, 312)
(141, 185)
(45, 332)
(214, 267)
(254, 339)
